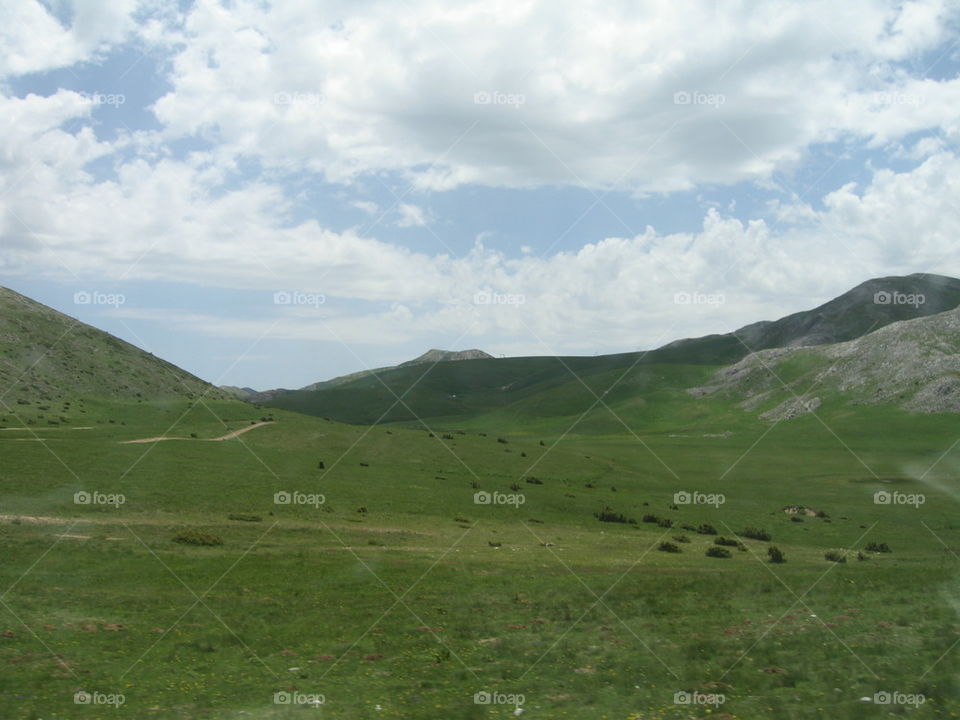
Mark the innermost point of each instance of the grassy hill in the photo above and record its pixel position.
(46, 355)
(458, 392)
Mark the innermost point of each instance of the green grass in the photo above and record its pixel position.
(410, 607)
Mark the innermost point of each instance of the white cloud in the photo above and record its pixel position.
(362, 90)
(411, 216)
(34, 40)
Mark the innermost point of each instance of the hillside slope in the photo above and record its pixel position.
(45, 355)
(914, 364)
(473, 387)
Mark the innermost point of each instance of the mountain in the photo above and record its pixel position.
(914, 364)
(471, 387)
(48, 355)
(435, 356)
(238, 392)
(431, 356)
(867, 307)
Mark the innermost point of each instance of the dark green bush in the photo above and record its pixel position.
(197, 537)
(755, 534)
(776, 555)
(668, 547)
(718, 552)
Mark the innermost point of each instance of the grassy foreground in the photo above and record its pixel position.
(399, 596)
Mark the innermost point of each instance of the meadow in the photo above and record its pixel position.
(376, 586)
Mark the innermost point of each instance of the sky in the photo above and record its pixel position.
(272, 194)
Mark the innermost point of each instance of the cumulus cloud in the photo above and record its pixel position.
(32, 39)
(502, 93)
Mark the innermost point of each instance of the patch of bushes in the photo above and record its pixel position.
(502, 440)
(668, 547)
(718, 552)
(706, 529)
(681, 538)
(755, 534)
(728, 542)
(835, 556)
(534, 481)
(197, 537)
(878, 547)
(776, 555)
(611, 515)
(796, 518)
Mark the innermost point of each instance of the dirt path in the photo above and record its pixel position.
(228, 436)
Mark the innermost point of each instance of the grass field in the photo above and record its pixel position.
(398, 596)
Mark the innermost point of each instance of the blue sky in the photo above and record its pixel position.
(529, 178)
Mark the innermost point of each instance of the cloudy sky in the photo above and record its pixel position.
(270, 194)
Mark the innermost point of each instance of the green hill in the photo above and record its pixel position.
(47, 355)
(511, 387)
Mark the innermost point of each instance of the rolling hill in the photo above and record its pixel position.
(46, 355)
(528, 386)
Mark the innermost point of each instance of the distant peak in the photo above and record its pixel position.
(434, 355)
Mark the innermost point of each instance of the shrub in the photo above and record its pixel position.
(755, 534)
(362, 509)
(447, 436)
(725, 541)
(515, 487)
(534, 481)
(668, 547)
(681, 538)
(244, 517)
(648, 518)
(378, 543)
(861, 556)
(796, 518)
(321, 466)
(461, 519)
(665, 522)
(706, 529)
(502, 440)
(491, 543)
(877, 547)
(834, 556)
(776, 555)
(197, 537)
(610, 515)
(718, 552)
